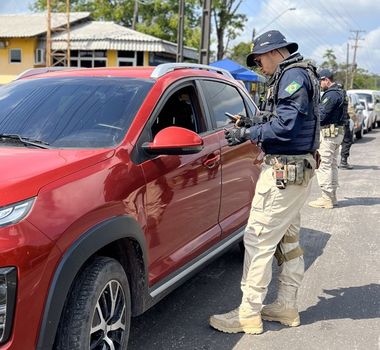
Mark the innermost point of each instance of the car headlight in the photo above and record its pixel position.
(12, 214)
(8, 283)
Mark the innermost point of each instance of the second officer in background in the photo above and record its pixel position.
(333, 116)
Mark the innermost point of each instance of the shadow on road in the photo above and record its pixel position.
(356, 303)
(180, 321)
(362, 167)
(366, 139)
(364, 201)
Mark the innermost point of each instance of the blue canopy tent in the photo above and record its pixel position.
(238, 72)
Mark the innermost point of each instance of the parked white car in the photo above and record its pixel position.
(372, 97)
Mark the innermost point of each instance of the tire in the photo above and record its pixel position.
(359, 134)
(97, 311)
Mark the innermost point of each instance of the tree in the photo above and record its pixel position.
(227, 23)
(330, 60)
(240, 52)
(362, 80)
(155, 17)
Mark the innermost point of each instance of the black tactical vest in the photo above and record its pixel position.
(312, 122)
(341, 116)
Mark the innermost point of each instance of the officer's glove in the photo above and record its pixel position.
(264, 116)
(243, 122)
(236, 135)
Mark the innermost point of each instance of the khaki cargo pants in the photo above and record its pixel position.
(274, 218)
(327, 173)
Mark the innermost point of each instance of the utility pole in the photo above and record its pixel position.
(355, 47)
(135, 14)
(347, 65)
(181, 24)
(57, 57)
(204, 51)
(48, 35)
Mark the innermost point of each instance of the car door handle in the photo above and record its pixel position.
(212, 162)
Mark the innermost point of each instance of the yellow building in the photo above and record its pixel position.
(92, 44)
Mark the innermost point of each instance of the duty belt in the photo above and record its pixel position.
(332, 130)
(289, 169)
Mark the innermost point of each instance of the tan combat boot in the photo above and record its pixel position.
(237, 321)
(322, 202)
(284, 309)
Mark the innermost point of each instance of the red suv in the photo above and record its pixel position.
(117, 184)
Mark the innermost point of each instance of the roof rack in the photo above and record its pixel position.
(41, 70)
(165, 68)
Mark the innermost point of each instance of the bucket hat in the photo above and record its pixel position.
(269, 41)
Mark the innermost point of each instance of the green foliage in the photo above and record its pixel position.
(330, 60)
(240, 52)
(365, 80)
(155, 17)
(342, 73)
(228, 23)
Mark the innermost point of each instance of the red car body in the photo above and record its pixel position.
(156, 215)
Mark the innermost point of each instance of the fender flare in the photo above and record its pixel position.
(88, 243)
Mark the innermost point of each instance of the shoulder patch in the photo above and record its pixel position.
(292, 87)
(325, 100)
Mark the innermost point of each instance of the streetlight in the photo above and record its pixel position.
(275, 19)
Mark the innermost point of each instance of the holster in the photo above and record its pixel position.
(288, 170)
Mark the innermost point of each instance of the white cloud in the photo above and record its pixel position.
(317, 25)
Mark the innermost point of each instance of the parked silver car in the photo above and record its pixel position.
(357, 118)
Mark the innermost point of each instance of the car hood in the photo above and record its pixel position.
(23, 171)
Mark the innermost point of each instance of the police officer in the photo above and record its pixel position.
(333, 115)
(289, 138)
(347, 139)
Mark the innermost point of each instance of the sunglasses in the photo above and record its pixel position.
(257, 60)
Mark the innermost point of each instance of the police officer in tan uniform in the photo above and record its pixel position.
(333, 116)
(289, 138)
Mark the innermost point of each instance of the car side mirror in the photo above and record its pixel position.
(175, 141)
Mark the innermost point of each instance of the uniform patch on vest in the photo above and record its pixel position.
(325, 100)
(292, 87)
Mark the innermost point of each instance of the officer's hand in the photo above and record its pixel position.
(235, 135)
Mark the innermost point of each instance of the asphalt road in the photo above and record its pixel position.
(339, 300)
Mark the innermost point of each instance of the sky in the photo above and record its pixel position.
(316, 25)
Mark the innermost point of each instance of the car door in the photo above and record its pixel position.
(182, 191)
(241, 163)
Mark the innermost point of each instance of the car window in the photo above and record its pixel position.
(223, 98)
(180, 109)
(367, 97)
(72, 112)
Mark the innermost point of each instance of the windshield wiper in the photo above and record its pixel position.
(25, 140)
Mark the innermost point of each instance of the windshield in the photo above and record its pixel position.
(71, 112)
(367, 97)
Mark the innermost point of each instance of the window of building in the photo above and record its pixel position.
(156, 58)
(39, 56)
(88, 58)
(130, 58)
(15, 55)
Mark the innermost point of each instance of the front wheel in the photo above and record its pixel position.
(97, 313)
(359, 134)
